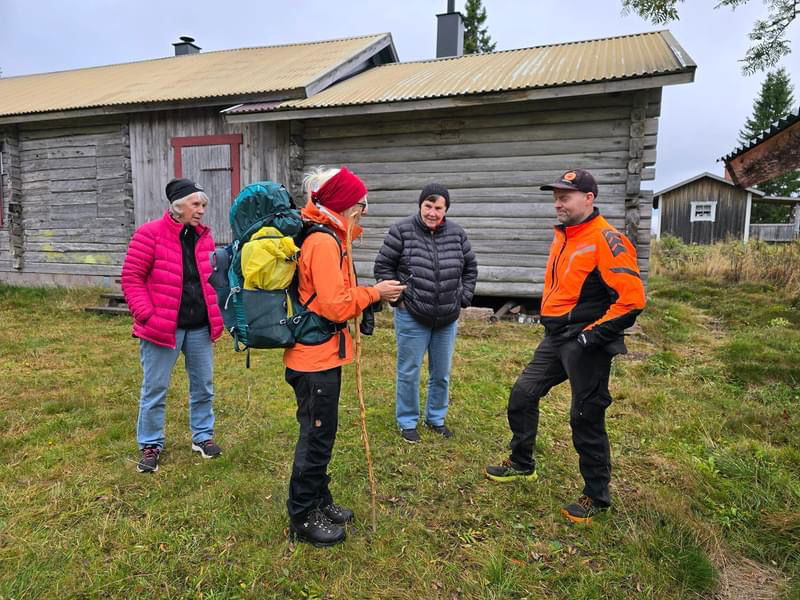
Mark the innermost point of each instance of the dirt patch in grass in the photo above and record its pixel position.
(742, 578)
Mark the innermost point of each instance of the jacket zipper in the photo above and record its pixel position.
(435, 267)
(554, 270)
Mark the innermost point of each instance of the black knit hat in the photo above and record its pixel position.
(180, 188)
(435, 189)
(577, 179)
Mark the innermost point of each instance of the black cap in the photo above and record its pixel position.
(577, 179)
(435, 189)
(180, 188)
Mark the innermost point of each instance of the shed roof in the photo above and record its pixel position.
(600, 60)
(291, 68)
(710, 176)
(774, 129)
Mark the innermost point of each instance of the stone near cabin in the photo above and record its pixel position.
(476, 313)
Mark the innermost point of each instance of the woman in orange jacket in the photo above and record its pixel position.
(336, 199)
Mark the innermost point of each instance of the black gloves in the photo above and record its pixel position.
(367, 324)
(592, 340)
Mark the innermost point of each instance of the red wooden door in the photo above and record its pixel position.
(213, 162)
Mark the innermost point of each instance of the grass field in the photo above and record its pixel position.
(705, 434)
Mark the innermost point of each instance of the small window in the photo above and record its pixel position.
(703, 211)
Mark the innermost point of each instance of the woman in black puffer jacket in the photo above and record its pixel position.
(433, 257)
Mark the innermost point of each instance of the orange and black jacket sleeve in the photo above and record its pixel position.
(618, 268)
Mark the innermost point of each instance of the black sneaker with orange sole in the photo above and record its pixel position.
(582, 510)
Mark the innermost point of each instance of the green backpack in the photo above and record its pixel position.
(260, 318)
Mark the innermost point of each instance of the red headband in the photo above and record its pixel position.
(341, 191)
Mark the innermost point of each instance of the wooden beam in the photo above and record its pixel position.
(523, 115)
(410, 153)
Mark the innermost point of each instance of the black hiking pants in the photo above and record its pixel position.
(555, 361)
(318, 415)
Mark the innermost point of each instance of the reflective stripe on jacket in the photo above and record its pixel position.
(592, 282)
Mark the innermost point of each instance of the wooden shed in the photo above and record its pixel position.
(86, 153)
(707, 209)
(492, 127)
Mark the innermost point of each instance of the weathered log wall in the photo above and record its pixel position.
(74, 190)
(11, 231)
(493, 159)
(83, 185)
(74, 197)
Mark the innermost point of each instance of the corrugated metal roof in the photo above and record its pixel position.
(607, 59)
(774, 129)
(190, 77)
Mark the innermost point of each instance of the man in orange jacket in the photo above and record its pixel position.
(592, 293)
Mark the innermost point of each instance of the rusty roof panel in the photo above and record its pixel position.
(607, 59)
(204, 75)
(778, 126)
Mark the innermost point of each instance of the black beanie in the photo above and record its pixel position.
(180, 188)
(435, 189)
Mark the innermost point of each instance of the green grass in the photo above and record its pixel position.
(704, 433)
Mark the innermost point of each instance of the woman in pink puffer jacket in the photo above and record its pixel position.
(165, 282)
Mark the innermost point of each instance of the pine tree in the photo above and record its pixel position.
(476, 37)
(775, 101)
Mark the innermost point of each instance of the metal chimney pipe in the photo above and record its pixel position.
(450, 32)
(186, 46)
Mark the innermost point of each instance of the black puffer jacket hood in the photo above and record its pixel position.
(438, 266)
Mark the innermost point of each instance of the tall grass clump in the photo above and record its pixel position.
(732, 261)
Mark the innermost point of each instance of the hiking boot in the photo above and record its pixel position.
(338, 514)
(442, 430)
(207, 449)
(317, 529)
(149, 461)
(582, 510)
(508, 470)
(411, 436)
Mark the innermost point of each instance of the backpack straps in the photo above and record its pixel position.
(318, 228)
(307, 231)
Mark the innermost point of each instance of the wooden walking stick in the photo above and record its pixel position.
(362, 410)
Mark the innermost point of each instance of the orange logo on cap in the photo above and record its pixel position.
(569, 176)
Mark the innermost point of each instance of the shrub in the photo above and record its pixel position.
(733, 261)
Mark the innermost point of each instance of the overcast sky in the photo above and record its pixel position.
(699, 121)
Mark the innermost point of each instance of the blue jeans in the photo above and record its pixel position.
(157, 364)
(413, 341)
